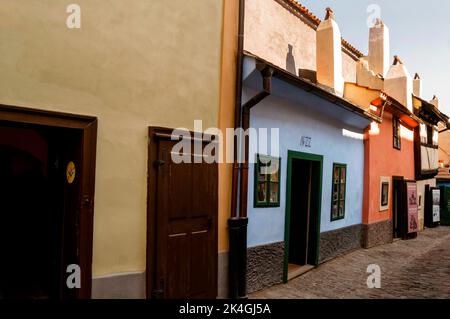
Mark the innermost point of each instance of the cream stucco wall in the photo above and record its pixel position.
(269, 31)
(133, 64)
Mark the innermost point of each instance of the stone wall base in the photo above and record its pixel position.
(119, 286)
(339, 242)
(265, 266)
(377, 234)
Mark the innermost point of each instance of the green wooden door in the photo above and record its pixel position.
(445, 206)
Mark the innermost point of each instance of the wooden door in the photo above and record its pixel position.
(70, 169)
(183, 207)
(398, 207)
(432, 203)
(445, 206)
(73, 138)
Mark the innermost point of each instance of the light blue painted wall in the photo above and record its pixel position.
(297, 119)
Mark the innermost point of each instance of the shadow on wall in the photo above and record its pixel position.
(290, 61)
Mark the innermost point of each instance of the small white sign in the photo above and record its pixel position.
(306, 141)
(436, 206)
(436, 214)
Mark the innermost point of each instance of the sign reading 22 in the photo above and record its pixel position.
(306, 141)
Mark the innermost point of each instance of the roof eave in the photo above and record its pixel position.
(315, 89)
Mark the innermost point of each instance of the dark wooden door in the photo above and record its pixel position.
(70, 159)
(445, 205)
(71, 206)
(398, 207)
(401, 205)
(185, 214)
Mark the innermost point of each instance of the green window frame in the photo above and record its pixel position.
(338, 192)
(267, 186)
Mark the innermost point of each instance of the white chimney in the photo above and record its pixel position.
(417, 86)
(329, 55)
(367, 78)
(435, 101)
(398, 84)
(379, 58)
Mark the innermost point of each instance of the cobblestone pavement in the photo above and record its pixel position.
(418, 268)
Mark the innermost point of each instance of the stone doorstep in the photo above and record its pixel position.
(297, 271)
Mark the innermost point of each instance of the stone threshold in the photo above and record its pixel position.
(295, 271)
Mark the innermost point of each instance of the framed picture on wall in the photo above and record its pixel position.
(436, 195)
(385, 187)
(412, 206)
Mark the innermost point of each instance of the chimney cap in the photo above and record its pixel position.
(378, 23)
(417, 76)
(397, 60)
(329, 14)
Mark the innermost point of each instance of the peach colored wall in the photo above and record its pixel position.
(270, 29)
(381, 159)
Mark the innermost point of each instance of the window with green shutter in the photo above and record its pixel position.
(338, 192)
(267, 182)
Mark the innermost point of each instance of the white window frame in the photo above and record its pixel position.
(383, 180)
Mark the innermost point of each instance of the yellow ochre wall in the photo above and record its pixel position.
(133, 64)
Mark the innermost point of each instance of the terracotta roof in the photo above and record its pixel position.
(295, 6)
(406, 117)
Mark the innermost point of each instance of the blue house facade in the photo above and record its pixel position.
(310, 209)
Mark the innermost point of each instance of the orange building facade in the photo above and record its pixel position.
(384, 163)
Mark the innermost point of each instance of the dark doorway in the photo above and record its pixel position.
(400, 213)
(42, 227)
(303, 213)
(398, 207)
(182, 223)
(432, 202)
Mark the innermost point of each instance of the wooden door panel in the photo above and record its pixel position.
(200, 256)
(202, 178)
(180, 190)
(177, 272)
(186, 232)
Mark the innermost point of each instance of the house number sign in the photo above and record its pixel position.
(306, 141)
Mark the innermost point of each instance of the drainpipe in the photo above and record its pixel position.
(266, 73)
(238, 222)
(237, 227)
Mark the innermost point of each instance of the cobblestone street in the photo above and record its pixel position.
(417, 268)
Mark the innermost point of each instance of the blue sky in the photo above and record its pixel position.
(420, 35)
